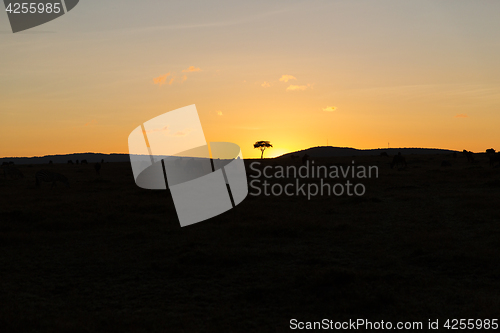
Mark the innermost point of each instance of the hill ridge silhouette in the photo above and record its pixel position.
(330, 151)
(63, 158)
(319, 151)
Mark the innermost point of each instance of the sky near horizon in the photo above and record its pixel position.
(300, 74)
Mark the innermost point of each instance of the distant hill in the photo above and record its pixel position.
(345, 151)
(312, 152)
(90, 157)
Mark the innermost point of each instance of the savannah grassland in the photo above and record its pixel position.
(107, 256)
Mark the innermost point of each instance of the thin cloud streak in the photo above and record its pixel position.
(191, 69)
(330, 108)
(160, 80)
(286, 78)
(156, 130)
(247, 128)
(183, 133)
(237, 21)
(294, 87)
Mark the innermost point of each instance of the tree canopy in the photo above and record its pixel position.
(262, 145)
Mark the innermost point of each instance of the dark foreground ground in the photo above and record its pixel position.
(106, 256)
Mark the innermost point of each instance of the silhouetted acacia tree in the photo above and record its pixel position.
(262, 145)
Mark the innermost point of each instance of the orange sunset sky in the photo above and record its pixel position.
(297, 73)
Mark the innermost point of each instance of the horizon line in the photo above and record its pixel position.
(291, 152)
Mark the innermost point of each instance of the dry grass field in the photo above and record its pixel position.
(106, 256)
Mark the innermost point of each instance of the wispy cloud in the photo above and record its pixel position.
(166, 131)
(234, 21)
(191, 69)
(330, 108)
(462, 115)
(155, 130)
(247, 128)
(286, 78)
(183, 132)
(160, 80)
(293, 87)
(266, 84)
(219, 113)
(93, 122)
